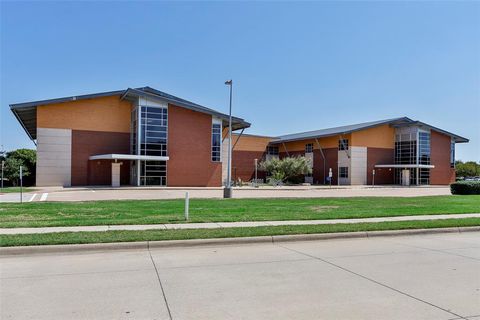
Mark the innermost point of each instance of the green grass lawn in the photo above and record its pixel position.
(154, 235)
(15, 190)
(42, 214)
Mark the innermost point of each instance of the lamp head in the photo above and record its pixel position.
(228, 82)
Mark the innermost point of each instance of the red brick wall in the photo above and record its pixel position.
(440, 158)
(189, 149)
(331, 157)
(243, 164)
(380, 156)
(98, 172)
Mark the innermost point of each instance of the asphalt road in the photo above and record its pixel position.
(414, 277)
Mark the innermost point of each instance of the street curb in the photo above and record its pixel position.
(146, 245)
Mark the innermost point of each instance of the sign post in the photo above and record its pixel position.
(330, 175)
(21, 185)
(187, 204)
(3, 166)
(373, 177)
(256, 176)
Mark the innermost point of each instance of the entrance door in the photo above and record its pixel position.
(405, 177)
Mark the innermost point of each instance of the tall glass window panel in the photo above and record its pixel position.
(154, 131)
(424, 147)
(216, 142)
(153, 173)
(405, 149)
(452, 154)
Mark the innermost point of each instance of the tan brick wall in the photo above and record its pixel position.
(108, 114)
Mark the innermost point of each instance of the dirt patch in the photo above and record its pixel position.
(323, 208)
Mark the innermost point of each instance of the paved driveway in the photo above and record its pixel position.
(88, 194)
(415, 277)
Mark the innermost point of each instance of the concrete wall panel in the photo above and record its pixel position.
(54, 157)
(358, 165)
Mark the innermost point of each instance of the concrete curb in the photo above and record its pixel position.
(145, 245)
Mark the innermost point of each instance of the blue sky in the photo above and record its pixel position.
(296, 66)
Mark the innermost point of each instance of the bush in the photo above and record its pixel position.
(290, 169)
(465, 187)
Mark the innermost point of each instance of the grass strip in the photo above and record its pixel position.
(15, 190)
(155, 235)
(52, 214)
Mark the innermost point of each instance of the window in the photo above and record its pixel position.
(309, 148)
(153, 131)
(452, 154)
(153, 173)
(406, 148)
(216, 142)
(343, 172)
(343, 144)
(271, 150)
(423, 147)
(424, 176)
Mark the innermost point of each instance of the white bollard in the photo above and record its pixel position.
(187, 200)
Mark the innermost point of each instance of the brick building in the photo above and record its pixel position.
(147, 137)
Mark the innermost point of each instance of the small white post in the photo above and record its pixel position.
(187, 200)
(256, 169)
(21, 185)
(330, 175)
(373, 177)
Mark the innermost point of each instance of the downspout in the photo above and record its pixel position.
(324, 160)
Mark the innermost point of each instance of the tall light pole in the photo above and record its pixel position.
(227, 191)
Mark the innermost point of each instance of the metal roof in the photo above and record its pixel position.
(402, 121)
(26, 113)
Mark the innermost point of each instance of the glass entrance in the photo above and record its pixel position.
(149, 138)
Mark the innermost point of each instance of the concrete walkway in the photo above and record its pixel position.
(428, 277)
(218, 225)
(151, 193)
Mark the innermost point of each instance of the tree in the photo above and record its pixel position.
(26, 158)
(467, 169)
(12, 170)
(289, 169)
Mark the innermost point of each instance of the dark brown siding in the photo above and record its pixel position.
(88, 143)
(380, 156)
(189, 149)
(243, 165)
(331, 158)
(440, 158)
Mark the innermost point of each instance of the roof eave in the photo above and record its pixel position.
(22, 124)
(141, 93)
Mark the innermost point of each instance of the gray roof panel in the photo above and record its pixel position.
(336, 130)
(26, 112)
(402, 121)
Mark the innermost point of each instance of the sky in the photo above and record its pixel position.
(296, 66)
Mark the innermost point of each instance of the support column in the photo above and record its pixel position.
(116, 174)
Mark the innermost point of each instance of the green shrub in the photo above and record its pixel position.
(289, 169)
(465, 187)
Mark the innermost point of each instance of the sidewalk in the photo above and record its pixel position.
(218, 225)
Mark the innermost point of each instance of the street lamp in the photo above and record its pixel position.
(227, 191)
